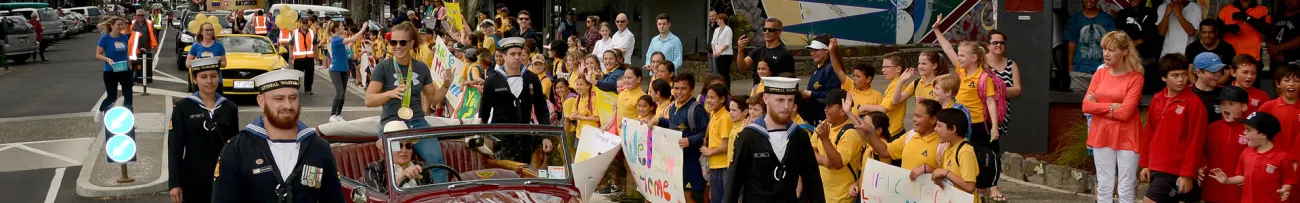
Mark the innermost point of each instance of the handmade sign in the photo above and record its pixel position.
(454, 17)
(594, 154)
(605, 100)
(655, 160)
(882, 182)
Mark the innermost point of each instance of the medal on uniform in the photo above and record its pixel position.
(405, 113)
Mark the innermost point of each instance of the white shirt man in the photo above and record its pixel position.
(624, 39)
(1176, 37)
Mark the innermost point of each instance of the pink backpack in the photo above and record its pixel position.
(1000, 95)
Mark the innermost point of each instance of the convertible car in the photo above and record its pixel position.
(484, 163)
(247, 56)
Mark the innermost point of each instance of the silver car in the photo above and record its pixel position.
(49, 21)
(92, 15)
(19, 37)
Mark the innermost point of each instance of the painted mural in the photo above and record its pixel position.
(874, 21)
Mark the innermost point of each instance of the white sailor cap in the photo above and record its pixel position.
(509, 42)
(277, 79)
(780, 85)
(204, 64)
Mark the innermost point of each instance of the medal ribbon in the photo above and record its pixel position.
(406, 94)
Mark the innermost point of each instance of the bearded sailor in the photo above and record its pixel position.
(772, 155)
(277, 158)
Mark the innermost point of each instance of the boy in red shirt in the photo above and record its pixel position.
(1223, 145)
(1265, 173)
(1176, 122)
(1285, 107)
(1245, 71)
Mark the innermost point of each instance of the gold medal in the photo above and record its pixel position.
(405, 113)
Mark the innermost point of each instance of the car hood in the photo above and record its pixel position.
(254, 60)
(504, 194)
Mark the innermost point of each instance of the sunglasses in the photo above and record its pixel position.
(399, 42)
(771, 29)
(998, 42)
(620, 21)
(408, 145)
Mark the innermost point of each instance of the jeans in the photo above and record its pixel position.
(429, 149)
(340, 80)
(717, 184)
(1112, 164)
(111, 81)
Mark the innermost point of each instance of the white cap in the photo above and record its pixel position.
(817, 45)
(203, 64)
(780, 85)
(277, 79)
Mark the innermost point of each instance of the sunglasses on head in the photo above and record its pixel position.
(399, 42)
(771, 29)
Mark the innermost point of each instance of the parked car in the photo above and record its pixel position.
(174, 17)
(20, 38)
(92, 15)
(71, 25)
(54, 28)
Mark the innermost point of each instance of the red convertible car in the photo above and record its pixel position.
(484, 163)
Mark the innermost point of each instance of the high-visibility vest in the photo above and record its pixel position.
(152, 42)
(302, 45)
(286, 36)
(259, 25)
(133, 47)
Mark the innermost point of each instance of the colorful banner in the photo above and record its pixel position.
(655, 160)
(605, 100)
(887, 183)
(454, 17)
(594, 155)
(468, 107)
(457, 94)
(230, 5)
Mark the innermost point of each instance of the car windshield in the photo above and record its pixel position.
(518, 157)
(246, 44)
(48, 15)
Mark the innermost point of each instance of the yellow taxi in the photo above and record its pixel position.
(246, 57)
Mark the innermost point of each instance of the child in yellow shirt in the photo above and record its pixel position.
(959, 166)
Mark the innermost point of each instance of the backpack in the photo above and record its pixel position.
(1000, 95)
(839, 138)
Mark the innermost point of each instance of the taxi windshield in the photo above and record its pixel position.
(246, 44)
(471, 159)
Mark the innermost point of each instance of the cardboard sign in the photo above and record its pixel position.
(882, 182)
(230, 5)
(469, 106)
(605, 100)
(454, 17)
(594, 155)
(655, 160)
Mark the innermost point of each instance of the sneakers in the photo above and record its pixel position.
(336, 118)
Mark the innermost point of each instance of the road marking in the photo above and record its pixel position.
(28, 118)
(52, 155)
(171, 79)
(161, 91)
(95, 108)
(45, 141)
(54, 185)
(155, 59)
(6, 147)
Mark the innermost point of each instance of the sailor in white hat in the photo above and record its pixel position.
(781, 152)
(199, 127)
(512, 95)
(277, 158)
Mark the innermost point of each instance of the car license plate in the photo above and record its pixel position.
(244, 84)
(22, 40)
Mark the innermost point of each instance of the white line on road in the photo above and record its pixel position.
(44, 141)
(28, 118)
(51, 155)
(95, 108)
(6, 147)
(54, 185)
(161, 92)
(155, 59)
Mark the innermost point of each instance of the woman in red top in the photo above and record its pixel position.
(1112, 100)
(36, 23)
(1224, 143)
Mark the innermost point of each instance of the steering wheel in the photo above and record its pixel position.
(425, 170)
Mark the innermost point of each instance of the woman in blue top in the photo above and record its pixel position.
(339, 65)
(207, 46)
(112, 49)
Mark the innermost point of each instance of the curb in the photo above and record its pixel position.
(86, 189)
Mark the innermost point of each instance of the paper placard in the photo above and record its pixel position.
(887, 183)
(655, 160)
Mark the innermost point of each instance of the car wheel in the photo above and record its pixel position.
(21, 58)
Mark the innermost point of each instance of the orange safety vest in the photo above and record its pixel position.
(259, 25)
(134, 45)
(302, 47)
(286, 36)
(131, 28)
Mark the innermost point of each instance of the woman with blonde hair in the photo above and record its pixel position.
(1112, 105)
(112, 50)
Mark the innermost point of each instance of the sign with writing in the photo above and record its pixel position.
(468, 107)
(120, 148)
(655, 160)
(887, 183)
(230, 5)
(454, 17)
(605, 100)
(594, 142)
(594, 154)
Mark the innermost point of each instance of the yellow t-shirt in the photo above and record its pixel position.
(627, 102)
(757, 89)
(736, 127)
(585, 108)
(861, 97)
(662, 110)
(968, 95)
(920, 89)
(896, 111)
(719, 131)
(836, 182)
(962, 163)
(919, 150)
(546, 83)
(569, 106)
(424, 54)
(490, 45)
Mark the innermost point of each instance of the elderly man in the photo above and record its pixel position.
(624, 40)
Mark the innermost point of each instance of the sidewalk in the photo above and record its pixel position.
(98, 177)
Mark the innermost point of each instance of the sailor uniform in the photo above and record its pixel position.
(693, 121)
(517, 99)
(768, 164)
(196, 135)
(255, 168)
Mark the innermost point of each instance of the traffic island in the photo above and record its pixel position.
(100, 178)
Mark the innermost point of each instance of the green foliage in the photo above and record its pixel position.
(628, 197)
(1072, 146)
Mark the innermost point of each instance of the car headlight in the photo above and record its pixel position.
(187, 38)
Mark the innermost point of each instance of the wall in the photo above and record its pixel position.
(1029, 45)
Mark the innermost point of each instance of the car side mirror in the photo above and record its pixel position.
(282, 50)
(359, 194)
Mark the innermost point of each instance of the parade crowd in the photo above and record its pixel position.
(788, 139)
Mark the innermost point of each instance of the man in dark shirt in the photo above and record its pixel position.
(525, 30)
(1284, 43)
(1140, 22)
(772, 49)
(1209, 40)
(1209, 69)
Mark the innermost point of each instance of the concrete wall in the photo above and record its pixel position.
(1029, 45)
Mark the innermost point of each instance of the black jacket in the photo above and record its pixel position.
(754, 168)
(195, 136)
(247, 171)
(499, 105)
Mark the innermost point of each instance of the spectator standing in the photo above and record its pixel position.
(723, 54)
(772, 49)
(1207, 69)
(1284, 44)
(1257, 171)
(338, 65)
(525, 30)
(1140, 21)
(36, 24)
(1009, 72)
(666, 42)
(820, 84)
(1178, 20)
(1112, 99)
(606, 42)
(1175, 133)
(624, 40)
(566, 27)
(1223, 144)
(593, 33)
(839, 153)
(1084, 33)
(692, 119)
(1208, 40)
(1287, 80)
(1242, 22)
(1246, 69)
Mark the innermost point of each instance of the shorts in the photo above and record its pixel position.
(1164, 188)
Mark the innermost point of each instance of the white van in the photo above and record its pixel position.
(327, 12)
